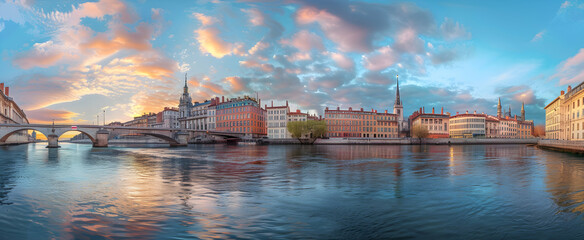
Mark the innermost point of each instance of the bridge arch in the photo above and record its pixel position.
(163, 137)
(92, 138)
(10, 133)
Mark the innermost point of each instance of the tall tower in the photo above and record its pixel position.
(186, 103)
(499, 110)
(523, 111)
(398, 108)
(510, 116)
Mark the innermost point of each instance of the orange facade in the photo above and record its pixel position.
(242, 115)
(367, 124)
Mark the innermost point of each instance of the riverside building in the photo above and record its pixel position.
(361, 124)
(552, 119)
(242, 115)
(436, 123)
(277, 121)
(11, 113)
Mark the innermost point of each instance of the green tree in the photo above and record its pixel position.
(307, 131)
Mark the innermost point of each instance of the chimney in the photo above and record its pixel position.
(372, 110)
(222, 98)
(515, 117)
(272, 104)
(266, 106)
(298, 111)
(2, 87)
(286, 103)
(386, 111)
(326, 108)
(338, 108)
(7, 91)
(569, 88)
(420, 110)
(350, 108)
(423, 110)
(260, 102)
(442, 111)
(562, 93)
(448, 113)
(475, 111)
(466, 111)
(361, 109)
(432, 110)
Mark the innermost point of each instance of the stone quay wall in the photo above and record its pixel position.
(562, 145)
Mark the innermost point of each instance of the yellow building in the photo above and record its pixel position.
(467, 125)
(552, 119)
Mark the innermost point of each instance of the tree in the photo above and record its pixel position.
(307, 131)
(419, 131)
(539, 131)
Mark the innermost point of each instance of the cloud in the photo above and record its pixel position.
(342, 60)
(299, 56)
(444, 55)
(46, 116)
(42, 55)
(453, 30)
(571, 70)
(538, 36)
(382, 58)
(257, 18)
(204, 19)
(336, 29)
(408, 41)
(2, 26)
(304, 41)
(209, 42)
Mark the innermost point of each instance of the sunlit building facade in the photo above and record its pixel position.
(436, 123)
(351, 123)
(467, 125)
(552, 119)
(242, 115)
(277, 121)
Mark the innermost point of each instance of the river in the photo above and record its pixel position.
(290, 192)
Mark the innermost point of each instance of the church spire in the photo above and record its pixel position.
(499, 110)
(523, 111)
(186, 88)
(397, 98)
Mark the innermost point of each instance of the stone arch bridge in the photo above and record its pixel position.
(99, 135)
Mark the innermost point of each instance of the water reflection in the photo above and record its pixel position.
(291, 192)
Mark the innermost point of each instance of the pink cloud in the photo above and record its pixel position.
(342, 60)
(41, 55)
(408, 41)
(204, 19)
(45, 116)
(299, 56)
(209, 42)
(380, 59)
(304, 41)
(571, 70)
(256, 17)
(348, 36)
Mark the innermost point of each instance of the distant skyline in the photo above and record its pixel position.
(69, 61)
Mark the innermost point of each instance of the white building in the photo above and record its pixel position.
(277, 121)
(168, 118)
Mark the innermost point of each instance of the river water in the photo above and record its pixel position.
(290, 192)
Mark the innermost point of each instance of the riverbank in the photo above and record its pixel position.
(562, 145)
(406, 141)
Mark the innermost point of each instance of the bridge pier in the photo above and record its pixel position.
(182, 139)
(101, 138)
(53, 140)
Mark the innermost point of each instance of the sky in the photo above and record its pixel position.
(70, 61)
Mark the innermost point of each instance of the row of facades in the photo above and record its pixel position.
(246, 115)
(11, 113)
(564, 116)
